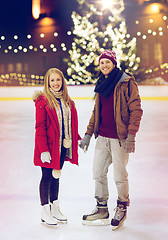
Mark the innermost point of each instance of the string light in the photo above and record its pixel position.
(55, 34)
(86, 47)
(28, 36)
(42, 35)
(30, 47)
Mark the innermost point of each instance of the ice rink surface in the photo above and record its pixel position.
(19, 179)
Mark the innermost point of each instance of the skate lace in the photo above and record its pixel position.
(59, 211)
(95, 210)
(119, 213)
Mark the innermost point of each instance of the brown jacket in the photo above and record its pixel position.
(127, 109)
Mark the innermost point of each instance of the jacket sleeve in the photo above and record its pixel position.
(93, 126)
(41, 127)
(134, 108)
(90, 127)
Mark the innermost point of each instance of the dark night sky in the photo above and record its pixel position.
(16, 15)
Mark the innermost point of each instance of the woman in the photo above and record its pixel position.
(56, 141)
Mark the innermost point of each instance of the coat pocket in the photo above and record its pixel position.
(125, 116)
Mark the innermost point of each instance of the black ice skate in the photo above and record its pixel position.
(120, 215)
(99, 216)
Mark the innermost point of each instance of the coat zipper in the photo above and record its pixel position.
(115, 119)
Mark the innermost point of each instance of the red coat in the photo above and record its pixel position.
(47, 134)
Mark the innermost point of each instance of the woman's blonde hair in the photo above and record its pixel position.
(51, 99)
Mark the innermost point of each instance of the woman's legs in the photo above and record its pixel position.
(57, 214)
(46, 215)
(54, 189)
(45, 185)
(49, 186)
(54, 186)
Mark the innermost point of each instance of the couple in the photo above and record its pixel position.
(114, 122)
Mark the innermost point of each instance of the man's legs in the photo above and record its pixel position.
(102, 160)
(120, 160)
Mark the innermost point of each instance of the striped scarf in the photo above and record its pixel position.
(67, 141)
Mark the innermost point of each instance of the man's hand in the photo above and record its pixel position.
(129, 145)
(84, 143)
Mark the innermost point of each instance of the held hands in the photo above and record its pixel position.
(84, 143)
(45, 157)
(129, 145)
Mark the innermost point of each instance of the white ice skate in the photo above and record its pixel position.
(56, 212)
(46, 217)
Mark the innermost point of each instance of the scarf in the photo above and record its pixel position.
(67, 141)
(105, 86)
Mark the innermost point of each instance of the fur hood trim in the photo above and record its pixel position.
(36, 95)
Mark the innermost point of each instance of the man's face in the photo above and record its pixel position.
(106, 66)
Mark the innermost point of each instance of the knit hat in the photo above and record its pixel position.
(110, 55)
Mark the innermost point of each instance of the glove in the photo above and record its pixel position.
(129, 145)
(84, 143)
(45, 157)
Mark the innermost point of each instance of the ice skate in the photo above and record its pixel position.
(99, 217)
(46, 217)
(120, 215)
(56, 213)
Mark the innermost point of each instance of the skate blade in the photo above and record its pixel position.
(117, 227)
(62, 221)
(98, 222)
(120, 225)
(49, 225)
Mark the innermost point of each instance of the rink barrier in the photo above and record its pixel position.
(27, 98)
(162, 98)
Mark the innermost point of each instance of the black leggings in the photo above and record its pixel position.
(49, 186)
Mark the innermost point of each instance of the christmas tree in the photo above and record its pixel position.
(99, 25)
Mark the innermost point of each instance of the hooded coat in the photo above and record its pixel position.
(47, 133)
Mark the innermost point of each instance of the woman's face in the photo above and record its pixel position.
(55, 82)
(106, 66)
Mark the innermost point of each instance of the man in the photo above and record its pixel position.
(114, 122)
